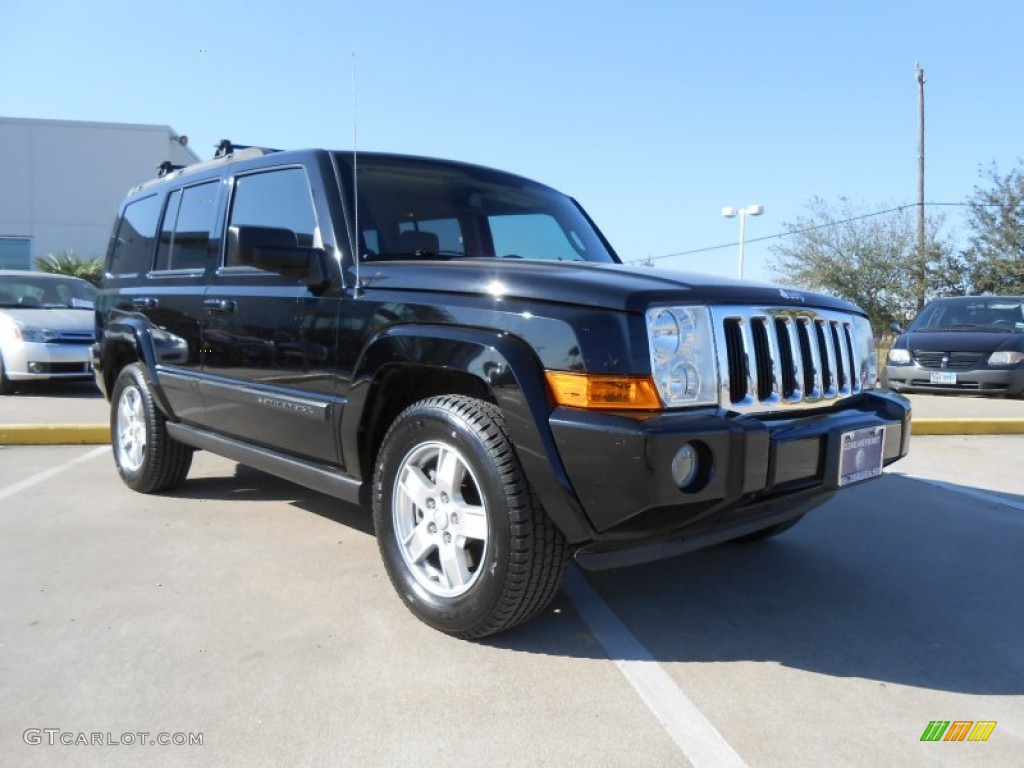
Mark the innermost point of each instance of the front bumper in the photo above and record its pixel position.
(990, 381)
(37, 361)
(761, 471)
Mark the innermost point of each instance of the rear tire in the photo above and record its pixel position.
(464, 541)
(148, 459)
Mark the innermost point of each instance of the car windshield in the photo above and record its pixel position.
(412, 208)
(991, 313)
(39, 292)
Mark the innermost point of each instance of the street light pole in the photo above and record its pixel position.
(921, 259)
(730, 213)
(743, 239)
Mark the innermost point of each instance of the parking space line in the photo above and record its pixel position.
(992, 497)
(692, 732)
(46, 474)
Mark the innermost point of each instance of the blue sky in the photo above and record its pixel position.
(653, 115)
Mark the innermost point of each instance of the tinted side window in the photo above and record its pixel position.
(279, 199)
(167, 230)
(188, 221)
(132, 249)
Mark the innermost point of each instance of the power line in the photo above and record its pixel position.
(778, 235)
(770, 237)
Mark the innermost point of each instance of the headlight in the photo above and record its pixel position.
(682, 355)
(1005, 358)
(37, 335)
(867, 360)
(899, 356)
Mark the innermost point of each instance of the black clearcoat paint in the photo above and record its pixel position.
(298, 375)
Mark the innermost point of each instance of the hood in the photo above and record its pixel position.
(960, 341)
(69, 320)
(608, 286)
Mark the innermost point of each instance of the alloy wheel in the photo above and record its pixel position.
(440, 519)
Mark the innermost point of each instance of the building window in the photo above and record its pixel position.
(15, 253)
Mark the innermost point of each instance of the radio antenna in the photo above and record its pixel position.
(354, 244)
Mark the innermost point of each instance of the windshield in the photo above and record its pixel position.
(412, 208)
(992, 313)
(39, 292)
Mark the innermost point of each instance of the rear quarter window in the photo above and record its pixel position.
(131, 251)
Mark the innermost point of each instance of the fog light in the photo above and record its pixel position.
(34, 367)
(684, 466)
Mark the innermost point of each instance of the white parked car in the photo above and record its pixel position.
(46, 327)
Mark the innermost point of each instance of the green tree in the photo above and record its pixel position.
(870, 259)
(68, 263)
(996, 220)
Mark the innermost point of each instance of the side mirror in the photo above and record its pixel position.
(896, 328)
(276, 250)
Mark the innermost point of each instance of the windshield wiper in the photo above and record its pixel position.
(414, 255)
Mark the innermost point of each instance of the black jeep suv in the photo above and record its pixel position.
(462, 350)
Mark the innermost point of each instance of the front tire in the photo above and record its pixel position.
(148, 459)
(464, 541)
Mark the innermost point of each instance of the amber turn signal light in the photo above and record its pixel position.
(584, 390)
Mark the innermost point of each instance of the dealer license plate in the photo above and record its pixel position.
(860, 455)
(943, 378)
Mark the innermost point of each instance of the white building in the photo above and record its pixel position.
(62, 180)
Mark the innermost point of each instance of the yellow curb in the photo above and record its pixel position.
(99, 434)
(1003, 426)
(54, 434)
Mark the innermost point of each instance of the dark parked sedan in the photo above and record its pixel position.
(962, 344)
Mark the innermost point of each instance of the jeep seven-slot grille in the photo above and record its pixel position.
(779, 357)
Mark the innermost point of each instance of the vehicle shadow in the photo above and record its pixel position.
(249, 484)
(894, 581)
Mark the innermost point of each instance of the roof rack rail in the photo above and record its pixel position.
(226, 153)
(226, 147)
(167, 167)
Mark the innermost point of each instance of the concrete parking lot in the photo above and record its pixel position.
(257, 614)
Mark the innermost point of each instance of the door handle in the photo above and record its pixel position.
(219, 306)
(145, 302)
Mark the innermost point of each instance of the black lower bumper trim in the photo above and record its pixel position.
(758, 516)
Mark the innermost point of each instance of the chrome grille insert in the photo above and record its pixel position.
(776, 358)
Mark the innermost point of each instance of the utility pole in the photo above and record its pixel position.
(921, 256)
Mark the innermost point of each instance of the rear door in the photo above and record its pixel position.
(172, 299)
(162, 249)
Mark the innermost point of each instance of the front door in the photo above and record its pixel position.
(268, 340)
